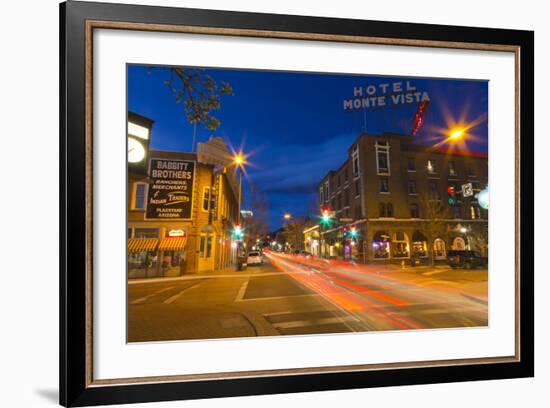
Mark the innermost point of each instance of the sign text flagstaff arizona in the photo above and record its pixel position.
(386, 94)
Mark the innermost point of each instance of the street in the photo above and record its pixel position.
(294, 294)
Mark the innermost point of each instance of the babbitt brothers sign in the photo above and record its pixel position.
(170, 193)
(385, 94)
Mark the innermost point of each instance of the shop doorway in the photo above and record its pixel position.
(207, 249)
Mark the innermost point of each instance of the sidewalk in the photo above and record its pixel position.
(222, 273)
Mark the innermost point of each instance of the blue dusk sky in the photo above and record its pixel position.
(293, 125)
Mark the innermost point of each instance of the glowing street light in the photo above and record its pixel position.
(456, 134)
(287, 216)
(239, 160)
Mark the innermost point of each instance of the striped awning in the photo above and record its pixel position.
(142, 244)
(172, 243)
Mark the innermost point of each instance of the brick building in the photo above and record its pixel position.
(390, 200)
(198, 242)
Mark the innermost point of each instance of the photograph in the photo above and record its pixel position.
(286, 203)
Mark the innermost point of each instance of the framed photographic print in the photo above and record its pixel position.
(255, 204)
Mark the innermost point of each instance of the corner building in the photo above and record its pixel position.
(198, 244)
(403, 200)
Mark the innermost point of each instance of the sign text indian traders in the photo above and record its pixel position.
(170, 193)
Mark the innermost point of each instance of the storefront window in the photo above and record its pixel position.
(400, 245)
(419, 246)
(381, 245)
(146, 233)
(439, 249)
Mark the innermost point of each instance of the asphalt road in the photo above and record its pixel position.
(291, 295)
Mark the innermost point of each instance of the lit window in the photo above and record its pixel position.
(430, 166)
(475, 212)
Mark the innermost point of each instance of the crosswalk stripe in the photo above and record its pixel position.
(172, 299)
(316, 322)
(144, 298)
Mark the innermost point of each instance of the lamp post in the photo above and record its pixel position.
(239, 161)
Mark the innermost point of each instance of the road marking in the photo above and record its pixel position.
(144, 298)
(315, 322)
(242, 291)
(172, 299)
(436, 272)
(280, 297)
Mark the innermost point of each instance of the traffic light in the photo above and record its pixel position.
(451, 197)
(325, 216)
(238, 232)
(353, 232)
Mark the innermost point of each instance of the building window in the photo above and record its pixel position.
(338, 181)
(357, 188)
(452, 169)
(381, 245)
(206, 199)
(414, 211)
(400, 245)
(411, 165)
(358, 212)
(384, 185)
(412, 187)
(346, 197)
(355, 160)
(433, 185)
(346, 174)
(326, 190)
(389, 210)
(321, 198)
(383, 158)
(146, 233)
(439, 249)
(382, 210)
(430, 167)
(475, 212)
(140, 196)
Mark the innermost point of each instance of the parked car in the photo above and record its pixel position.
(466, 259)
(254, 258)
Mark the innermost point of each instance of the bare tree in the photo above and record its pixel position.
(199, 92)
(257, 226)
(435, 215)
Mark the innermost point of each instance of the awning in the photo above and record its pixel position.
(172, 243)
(142, 244)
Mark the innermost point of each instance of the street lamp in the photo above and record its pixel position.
(456, 134)
(287, 216)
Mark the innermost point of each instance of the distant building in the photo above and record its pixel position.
(392, 199)
(181, 212)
